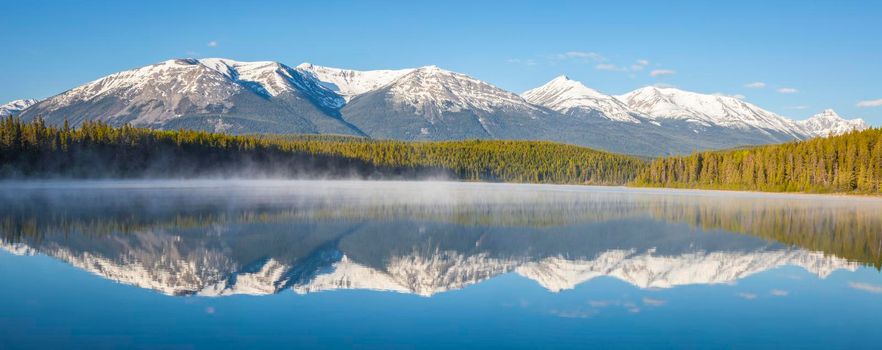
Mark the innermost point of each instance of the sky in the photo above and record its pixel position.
(794, 58)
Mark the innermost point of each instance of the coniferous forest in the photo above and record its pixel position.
(97, 150)
(850, 163)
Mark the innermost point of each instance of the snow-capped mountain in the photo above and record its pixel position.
(15, 107)
(348, 82)
(427, 103)
(213, 94)
(571, 97)
(433, 103)
(828, 123)
(709, 111)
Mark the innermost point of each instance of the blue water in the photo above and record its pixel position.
(432, 265)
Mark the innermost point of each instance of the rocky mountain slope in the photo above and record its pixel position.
(427, 103)
(15, 107)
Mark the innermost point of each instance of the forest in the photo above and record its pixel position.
(850, 163)
(97, 150)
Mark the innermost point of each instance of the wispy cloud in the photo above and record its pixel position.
(610, 67)
(872, 288)
(787, 90)
(579, 55)
(577, 313)
(870, 103)
(756, 85)
(528, 62)
(661, 72)
(212, 43)
(748, 296)
(600, 303)
(800, 107)
(779, 293)
(639, 65)
(654, 302)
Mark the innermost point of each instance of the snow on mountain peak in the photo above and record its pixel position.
(349, 83)
(829, 123)
(446, 91)
(13, 107)
(568, 96)
(707, 109)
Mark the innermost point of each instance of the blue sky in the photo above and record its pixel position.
(808, 56)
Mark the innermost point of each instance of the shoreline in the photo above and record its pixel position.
(207, 183)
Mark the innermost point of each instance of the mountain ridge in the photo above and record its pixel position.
(425, 103)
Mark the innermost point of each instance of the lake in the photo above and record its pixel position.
(424, 265)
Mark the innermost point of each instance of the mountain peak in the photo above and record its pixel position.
(349, 82)
(568, 96)
(827, 114)
(450, 91)
(14, 107)
(707, 110)
(829, 123)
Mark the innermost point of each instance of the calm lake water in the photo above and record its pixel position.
(388, 265)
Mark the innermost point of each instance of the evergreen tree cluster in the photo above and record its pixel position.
(850, 163)
(38, 150)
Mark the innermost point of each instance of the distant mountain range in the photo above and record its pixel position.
(15, 107)
(427, 103)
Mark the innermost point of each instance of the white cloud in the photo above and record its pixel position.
(872, 288)
(779, 292)
(654, 302)
(787, 90)
(870, 103)
(578, 313)
(609, 67)
(800, 107)
(599, 303)
(661, 72)
(643, 62)
(748, 296)
(580, 55)
(212, 43)
(636, 67)
(755, 85)
(529, 62)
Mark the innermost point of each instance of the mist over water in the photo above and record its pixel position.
(410, 263)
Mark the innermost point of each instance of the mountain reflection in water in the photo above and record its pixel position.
(214, 238)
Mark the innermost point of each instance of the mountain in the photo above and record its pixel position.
(349, 83)
(430, 103)
(211, 94)
(14, 107)
(570, 97)
(707, 111)
(828, 123)
(427, 103)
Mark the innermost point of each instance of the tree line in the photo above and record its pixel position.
(36, 149)
(849, 163)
